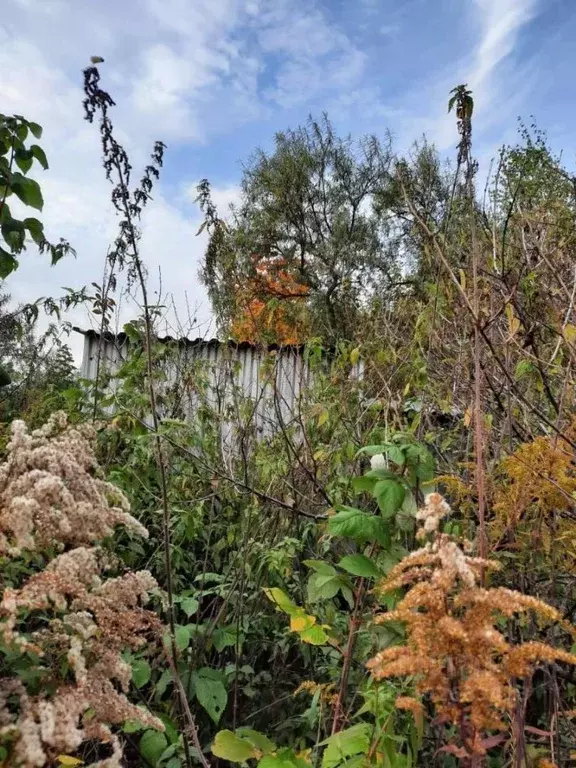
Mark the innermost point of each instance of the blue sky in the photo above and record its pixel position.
(216, 78)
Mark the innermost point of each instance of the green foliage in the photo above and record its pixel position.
(309, 202)
(17, 153)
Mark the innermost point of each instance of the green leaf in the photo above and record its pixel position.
(141, 672)
(40, 155)
(320, 566)
(259, 740)
(396, 454)
(182, 636)
(36, 229)
(389, 495)
(210, 692)
(152, 744)
(8, 263)
(358, 525)
(24, 159)
(523, 367)
(420, 458)
(170, 728)
(14, 233)
(28, 191)
(163, 683)
(323, 586)
(230, 747)
(223, 638)
(189, 605)
(281, 600)
(359, 565)
(352, 741)
(364, 483)
(36, 130)
(373, 450)
(314, 635)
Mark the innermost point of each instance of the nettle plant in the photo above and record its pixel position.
(357, 716)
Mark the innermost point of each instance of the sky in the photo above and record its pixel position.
(214, 79)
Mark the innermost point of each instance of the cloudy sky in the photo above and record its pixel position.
(216, 78)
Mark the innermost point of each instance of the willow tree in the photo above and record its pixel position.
(310, 205)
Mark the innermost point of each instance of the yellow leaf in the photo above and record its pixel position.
(355, 355)
(319, 454)
(462, 278)
(570, 333)
(68, 760)
(302, 622)
(467, 417)
(323, 417)
(305, 754)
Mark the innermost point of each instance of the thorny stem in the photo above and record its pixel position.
(355, 621)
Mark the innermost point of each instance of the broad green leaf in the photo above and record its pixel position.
(359, 565)
(356, 524)
(23, 159)
(14, 233)
(36, 130)
(323, 586)
(189, 605)
(40, 155)
(396, 454)
(373, 450)
(152, 745)
(28, 191)
(8, 263)
(210, 692)
(223, 638)
(182, 636)
(163, 683)
(259, 740)
(280, 600)
(229, 746)
(352, 741)
(170, 728)
(321, 566)
(389, 495)
(364, 483)
(141, 672)
(284, 758)
(314, 635)
(36, 229)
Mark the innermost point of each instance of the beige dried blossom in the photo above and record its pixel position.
(454, 651)
(51, 496)
(50, 493)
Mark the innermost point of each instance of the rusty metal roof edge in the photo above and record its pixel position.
(121, 337)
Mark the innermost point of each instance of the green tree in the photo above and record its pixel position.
(309, 204)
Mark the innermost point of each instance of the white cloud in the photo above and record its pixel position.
(315, 56)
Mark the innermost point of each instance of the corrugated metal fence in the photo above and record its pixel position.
(241, 382)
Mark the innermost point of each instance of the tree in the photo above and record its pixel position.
(308, 206)
(271, 308)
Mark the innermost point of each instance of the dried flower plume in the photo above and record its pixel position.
(454, 651)
(67, 619)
